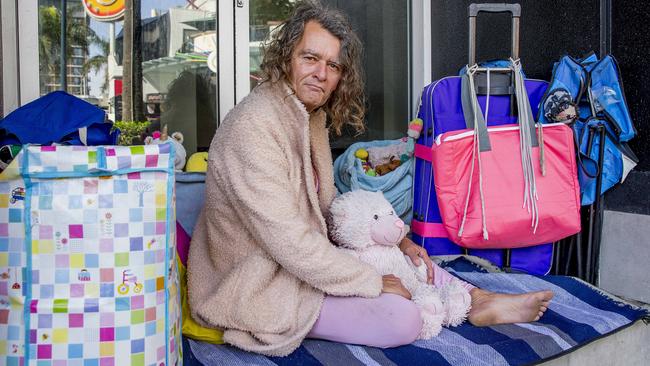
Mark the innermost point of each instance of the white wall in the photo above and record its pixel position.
(624, 255)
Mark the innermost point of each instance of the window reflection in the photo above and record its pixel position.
(178, 87)
(264, 16)
(80, 37)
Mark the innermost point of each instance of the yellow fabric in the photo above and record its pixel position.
(198, 162)
(12, 171)
(191, 328)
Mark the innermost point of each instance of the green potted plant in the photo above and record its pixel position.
(131, 132)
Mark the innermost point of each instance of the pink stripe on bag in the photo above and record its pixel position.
(422, 152)
(428, 229)
(182, 243)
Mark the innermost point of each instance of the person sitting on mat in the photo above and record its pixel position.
(261, 266)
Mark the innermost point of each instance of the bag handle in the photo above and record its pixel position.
(469, 101)
(472, 111)
(527, 139)
(474, 9)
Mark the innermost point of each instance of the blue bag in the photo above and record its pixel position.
(608, 97)
(588, 93)
(57, 117)
(612, 164)
(396, 185)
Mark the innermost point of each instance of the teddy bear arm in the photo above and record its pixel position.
(400, 268)
(409, 280)
(432, 311)
(419, 271)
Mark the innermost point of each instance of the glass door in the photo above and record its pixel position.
(264, 16)
(383, 27)
(242, 53)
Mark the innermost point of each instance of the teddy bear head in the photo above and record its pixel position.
(360, 219)
(176, 139)
(384, 169)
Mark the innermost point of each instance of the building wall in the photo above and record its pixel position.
(626, 222)
(630, 42)
(548, 32)
(10, 77)
(624, 248)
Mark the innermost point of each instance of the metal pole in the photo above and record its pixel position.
(598, 223)
(556, 257)
(63, 70)
(605, 27)
(472, 41)
(590, 230)
(579, 256)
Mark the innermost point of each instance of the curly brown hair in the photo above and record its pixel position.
(346, 104)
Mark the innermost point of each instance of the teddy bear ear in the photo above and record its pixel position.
(178, 136)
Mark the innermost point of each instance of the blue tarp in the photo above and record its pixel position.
(56, 117)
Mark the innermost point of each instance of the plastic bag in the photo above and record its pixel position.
(396, 185)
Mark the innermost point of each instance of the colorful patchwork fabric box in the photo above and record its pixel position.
(88, 274)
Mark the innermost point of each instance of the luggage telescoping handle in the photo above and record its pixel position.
(474, 9)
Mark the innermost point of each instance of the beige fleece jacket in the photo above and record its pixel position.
(260, 261)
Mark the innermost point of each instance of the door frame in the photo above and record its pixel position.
(20, 62)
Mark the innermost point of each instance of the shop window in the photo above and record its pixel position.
(179, 90)
(80, 37)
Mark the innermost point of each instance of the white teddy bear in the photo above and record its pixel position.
(176, 140)
(365, 225)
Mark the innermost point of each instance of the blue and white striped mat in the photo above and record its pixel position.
(578, 315)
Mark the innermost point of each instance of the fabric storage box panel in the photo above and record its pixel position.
(88, 274)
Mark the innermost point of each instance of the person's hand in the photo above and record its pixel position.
(393, 285)
(417, 253)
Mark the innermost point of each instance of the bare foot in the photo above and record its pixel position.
(490, 308)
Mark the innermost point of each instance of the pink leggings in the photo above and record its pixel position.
(386, 321)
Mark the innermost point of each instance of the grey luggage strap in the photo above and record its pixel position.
(527, 139)
(472, 111)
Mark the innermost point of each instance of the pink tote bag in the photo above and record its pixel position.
(509, 186)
